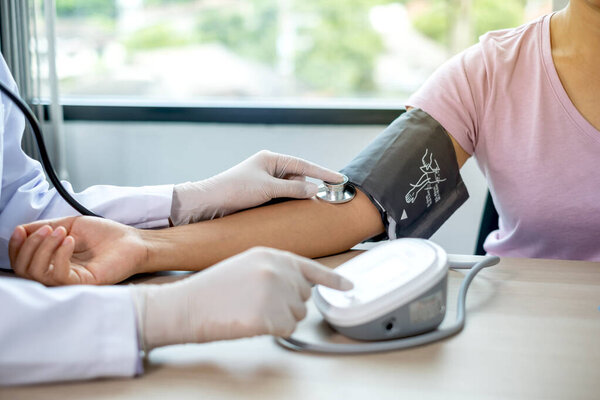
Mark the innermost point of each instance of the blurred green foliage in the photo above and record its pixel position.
(491, 15)
(434, 22)
(156, 36)
(487, 15)
(336, 47)
(337, 44)
(84, 8)
(108, 8)
(341, 46)
(250, 31)
(161, 2)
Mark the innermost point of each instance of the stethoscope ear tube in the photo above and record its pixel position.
(398, 344)
(46, 163)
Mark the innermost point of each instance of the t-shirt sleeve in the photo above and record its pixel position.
(455, 96)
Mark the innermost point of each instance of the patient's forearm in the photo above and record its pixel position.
(311, 228)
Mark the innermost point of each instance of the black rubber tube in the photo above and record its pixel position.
(46, 163)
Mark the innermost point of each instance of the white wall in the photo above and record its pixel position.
(154, 153)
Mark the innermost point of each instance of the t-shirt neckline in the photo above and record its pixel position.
(583, 124)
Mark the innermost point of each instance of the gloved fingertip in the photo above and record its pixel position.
(332, 177)
(345, 284)
(311, 189)
(339, 177)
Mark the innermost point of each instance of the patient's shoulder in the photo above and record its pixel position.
(502, 52)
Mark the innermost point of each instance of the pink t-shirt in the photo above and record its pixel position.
(503, 102)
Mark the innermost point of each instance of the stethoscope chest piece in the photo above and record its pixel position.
(337, 193)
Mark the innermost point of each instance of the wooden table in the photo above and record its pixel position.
(533, 332)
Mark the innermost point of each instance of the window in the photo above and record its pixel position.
(266, 51)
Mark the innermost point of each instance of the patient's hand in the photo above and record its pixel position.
(76, 250)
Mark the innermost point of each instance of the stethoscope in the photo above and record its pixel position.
(45, 159)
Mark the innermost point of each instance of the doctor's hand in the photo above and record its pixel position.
(258, 292)
(260, 178)
(76, 250)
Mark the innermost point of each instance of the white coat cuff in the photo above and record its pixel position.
(157, 205)
(121, 349)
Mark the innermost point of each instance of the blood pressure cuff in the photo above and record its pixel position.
(411, 174)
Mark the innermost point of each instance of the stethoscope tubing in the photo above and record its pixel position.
(45, 159)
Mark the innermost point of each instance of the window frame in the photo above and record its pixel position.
(233, 113)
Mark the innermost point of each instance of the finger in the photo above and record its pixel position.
(294, 188)
(304, 289)
(28, 249)
(298, 310)
(14, 245)
(39, 267)
(289, 165)
(312, 271)
(321, 275)
(299, 284)
(284, 324)
(53, 223)
(62, 274)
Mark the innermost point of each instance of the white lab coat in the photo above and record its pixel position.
(65, 333)
(72, 332)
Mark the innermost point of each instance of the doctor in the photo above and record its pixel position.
(82, 332)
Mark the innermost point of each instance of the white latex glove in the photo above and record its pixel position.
(261, 291)
(258, 179)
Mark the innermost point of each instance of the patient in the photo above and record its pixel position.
(522, 101)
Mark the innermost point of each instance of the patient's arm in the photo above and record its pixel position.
(311, 228)
(99, 251)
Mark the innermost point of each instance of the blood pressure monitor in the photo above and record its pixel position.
(399, 290)
(398, 300)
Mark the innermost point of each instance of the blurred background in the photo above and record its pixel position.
(301, 50)
(140, 92)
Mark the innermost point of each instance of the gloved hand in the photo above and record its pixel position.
(258, 179)
(261, 291)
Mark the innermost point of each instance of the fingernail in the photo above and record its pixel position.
(67, 241)
(17, 235)
(58, 232)
(44, 230)
(346, 284)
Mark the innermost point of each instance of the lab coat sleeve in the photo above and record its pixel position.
(25, 195)
(65, 333)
